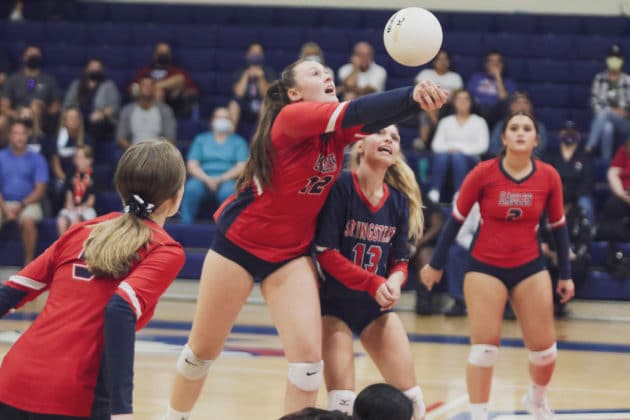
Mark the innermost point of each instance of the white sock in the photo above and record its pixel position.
(479, 411)
(342, 400)
(537, 393)
(415, 395)
(172, 414)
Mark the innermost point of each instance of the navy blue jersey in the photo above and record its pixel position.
(373, 237)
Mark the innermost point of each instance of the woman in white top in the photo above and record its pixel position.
(458, 142)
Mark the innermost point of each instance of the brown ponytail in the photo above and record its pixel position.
(258, 166)
(152, 171)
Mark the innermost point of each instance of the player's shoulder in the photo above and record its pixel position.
(345, 182)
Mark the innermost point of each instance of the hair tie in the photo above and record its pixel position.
(137, 206)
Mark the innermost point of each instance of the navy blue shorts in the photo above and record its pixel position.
(356, 309)
(258, 268)
(509, 276)
(8, 412)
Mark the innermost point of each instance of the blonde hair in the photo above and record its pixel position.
(81, 131)
(401, 177)
(151, 171)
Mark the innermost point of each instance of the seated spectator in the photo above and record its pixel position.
(519, 102)
(312, 413)
(23, 178)
(215, 161)
(448, 80)
(4, 66)
(490, 89)
(37, 141)
(382, 401)
(4, 131)
(312, 51)
(423, 250)
(575, 169)
(580, 238)
(614, 220)
(173, 84)
(361, 75)
(97, 98)
(460, 139)
(146, 118)
(610, 103)
(78, 192)
(34, 88)
(250, 86)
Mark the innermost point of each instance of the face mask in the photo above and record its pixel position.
(221, 125)
(33, 61)
(614, 63)
(96, 76)
(163, 60)
(569, 137)
(315, 58)
(255, 59)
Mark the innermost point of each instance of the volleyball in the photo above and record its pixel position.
(412, 36)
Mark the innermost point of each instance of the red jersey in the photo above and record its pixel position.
(510, 210)
(621, 160)
(53, 367)
(278, 222)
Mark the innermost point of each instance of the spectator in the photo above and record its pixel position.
(215, 160)
(97, 98)
(4, 66)
(312, 51)
(312, 413)
(382, 401)
(362, 75)
(250, 86)
(458, 256)
(37, 141)
(78, 191)
(575, 169)
(459, 141)
(423, 250)
(4, 131)
(173, 84)
(23, 178)
(147, 118)
(34, 88)
(448, 80)
(610, 102)
(519, 102)
(490, 89)
(614, 220)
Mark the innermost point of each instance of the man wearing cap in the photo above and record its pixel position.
(610, 102)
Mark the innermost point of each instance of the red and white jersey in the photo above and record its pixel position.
(53, 367)
(277, 222)
(510, 210)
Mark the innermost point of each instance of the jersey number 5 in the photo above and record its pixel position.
(316, 184)
(371, 258)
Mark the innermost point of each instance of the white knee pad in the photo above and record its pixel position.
(342, 400)
(544, 357)
(306, 376)
(483, 355)
(415, 395)
(190, 366)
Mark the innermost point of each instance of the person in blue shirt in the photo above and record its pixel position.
(23, 180)
(215, 161)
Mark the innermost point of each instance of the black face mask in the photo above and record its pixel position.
(96, 76)
(33, 61)
(163, 60)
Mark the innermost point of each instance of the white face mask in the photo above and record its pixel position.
(315, 58)
(222, 125)
(614, 63)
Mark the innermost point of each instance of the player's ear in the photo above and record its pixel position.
(294, 94)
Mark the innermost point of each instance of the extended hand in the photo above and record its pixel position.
(429, 95)
(429, 276)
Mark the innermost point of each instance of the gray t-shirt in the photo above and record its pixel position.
(145, 124)
(22, 90)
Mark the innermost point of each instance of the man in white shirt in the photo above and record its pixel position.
(362, 75)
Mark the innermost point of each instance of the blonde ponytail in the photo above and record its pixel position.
(401, 177)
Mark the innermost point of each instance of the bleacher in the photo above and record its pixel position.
(552, 57)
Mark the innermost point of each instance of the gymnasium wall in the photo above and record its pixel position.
(581, 7)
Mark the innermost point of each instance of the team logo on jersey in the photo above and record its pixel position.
(509, 199)
(372, 232)
(326, 164)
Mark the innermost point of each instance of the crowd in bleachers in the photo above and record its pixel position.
(87, 85)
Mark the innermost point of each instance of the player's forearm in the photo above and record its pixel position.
(379, 110)
(561, 238)
(440, 252)
(351, 275)
(9, 298)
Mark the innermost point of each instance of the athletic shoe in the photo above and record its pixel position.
(540, 411)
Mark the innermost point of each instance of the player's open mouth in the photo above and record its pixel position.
(329, 90)
(385, 149)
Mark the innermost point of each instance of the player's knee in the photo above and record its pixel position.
(342, 400)
(416, 397)
(190, 366)
(544, 357)
(306, 376)
(483, 355)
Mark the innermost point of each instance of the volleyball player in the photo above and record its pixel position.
(105, 277)
(265, 230)
(362, 241)
(512, 191)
